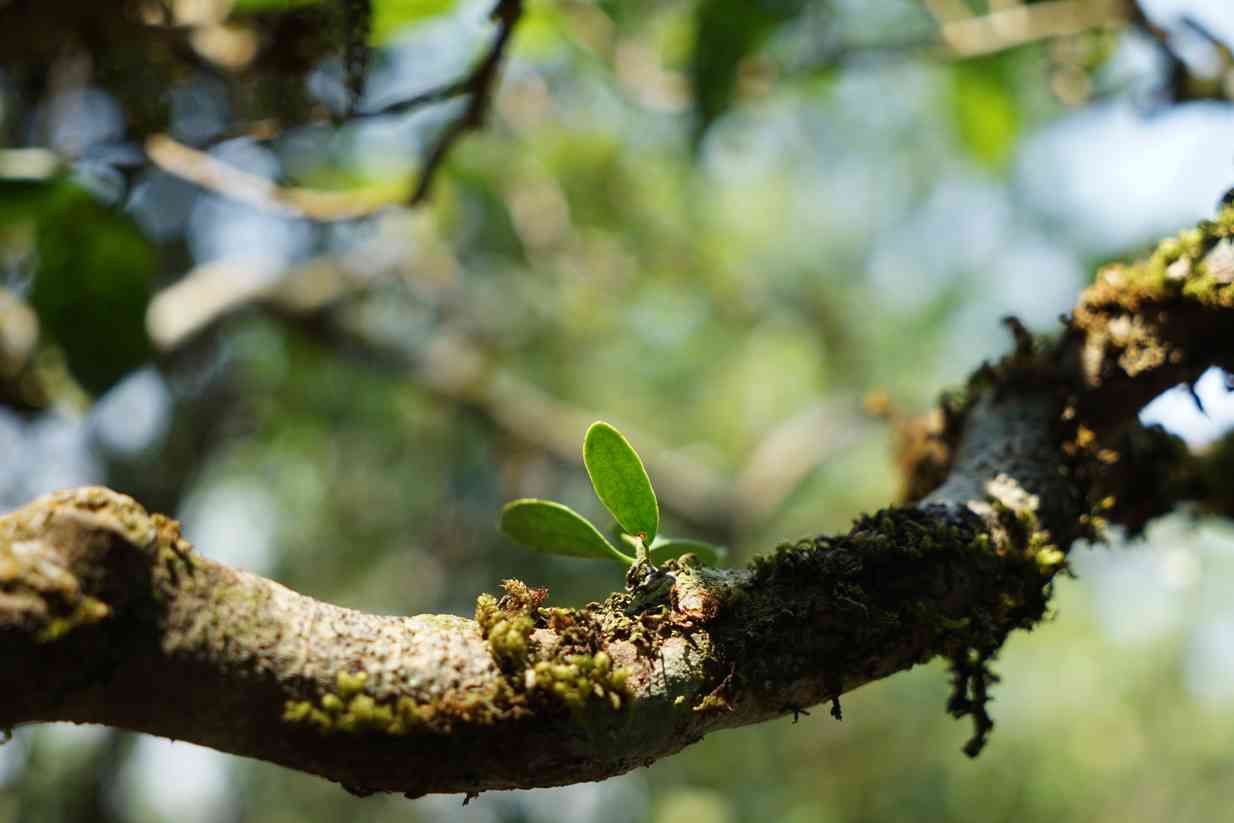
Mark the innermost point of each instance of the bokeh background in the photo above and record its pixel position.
(722, 225)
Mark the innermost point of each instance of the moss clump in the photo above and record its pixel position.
(487, 613)
(363, 713)
(713, 703)
(1179, 265)
(303, 711)
(572, 673)
(895, 574)
(350, 710)
(351, 683)
(578, 679)
(718, 699)
(509, 641)
(507, 624)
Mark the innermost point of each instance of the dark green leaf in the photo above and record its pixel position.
(620, 481)
(548, 526)
(663, 550)
(92, 280)
(728, 32)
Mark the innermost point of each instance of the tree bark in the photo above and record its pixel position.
(108, 616)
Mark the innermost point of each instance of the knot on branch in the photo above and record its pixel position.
(74, 558)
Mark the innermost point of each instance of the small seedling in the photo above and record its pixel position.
(621, 482)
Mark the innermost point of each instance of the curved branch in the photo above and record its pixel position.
(107, 616)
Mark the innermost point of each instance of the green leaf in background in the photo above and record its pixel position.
(92, 277)
(669, 548)
(987, 115)
(729, 31)
(620, 481)
(550, 527)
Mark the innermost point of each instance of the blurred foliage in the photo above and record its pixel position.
(727, 32)
(718, 224)
(92, 272)
(986, 113)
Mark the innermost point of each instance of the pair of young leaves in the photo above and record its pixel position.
(621, 482)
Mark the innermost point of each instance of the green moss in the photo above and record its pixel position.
(351, 683)
(1191, 242)
(88, 610)
(322, 720)
(1169, 249)
(508, 640)
(577, 680)
(1202, 287)
(296, 711)
(527, 677)
(364, 713)
(1050, 560)
(1177, 264)
(487, 613)
(355, 712)
(713, 703)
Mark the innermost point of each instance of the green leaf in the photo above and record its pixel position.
(93, 279)
(669, 548)
(987, 114)
(620, 481)
(727, 32)
(548, 526)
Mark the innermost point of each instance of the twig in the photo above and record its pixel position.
(960, 34)
(211, 173)
(437, 94)
(222, 178)
(1182, 83)
(985, 34)
(480, 87)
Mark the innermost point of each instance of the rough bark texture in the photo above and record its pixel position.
(107, 616)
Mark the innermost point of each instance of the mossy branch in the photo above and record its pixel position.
(107, 616)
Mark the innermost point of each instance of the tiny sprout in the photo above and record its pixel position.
(621, 482)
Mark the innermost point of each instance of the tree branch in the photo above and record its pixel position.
(967, 34)
(222, 178)
(107, 616)
(327, 206)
